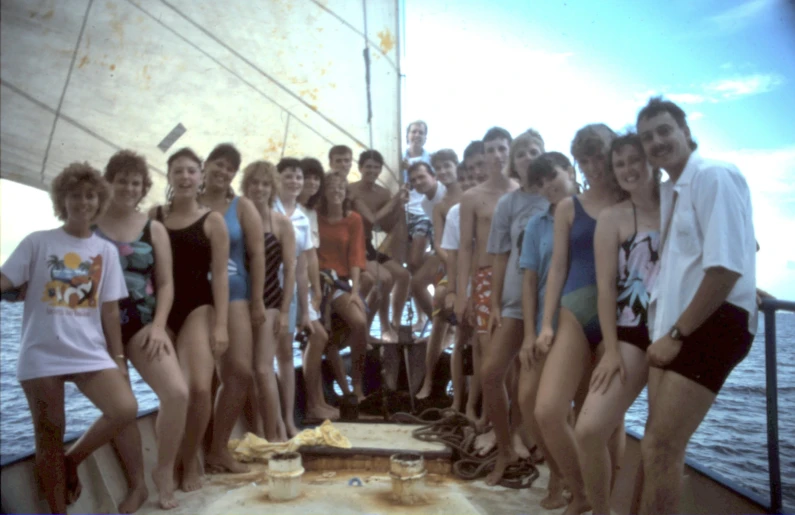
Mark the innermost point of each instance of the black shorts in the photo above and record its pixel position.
(713, 350)
(374, 255)
(637, 336)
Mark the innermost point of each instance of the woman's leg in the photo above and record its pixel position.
(529, 379)
(284, 357)
(316, 406)
(504, 347)
(198, 366)
(567, 362)
(355, 319)
(46, 401)
(236, 374)
(265, 375)
(338, 368)
(164, 376)
(600, 417)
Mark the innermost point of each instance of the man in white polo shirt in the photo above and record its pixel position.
(703, 312)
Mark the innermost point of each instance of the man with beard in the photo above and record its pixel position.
(703, 312)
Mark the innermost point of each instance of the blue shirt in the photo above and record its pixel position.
(536, 255)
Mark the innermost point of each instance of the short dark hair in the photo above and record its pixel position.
(544, 167)
(338, 150)
(659, 105)
(460, 170)
(443, 155)
(183, 152)
(594, 138)
(475, 148)
(288, 162)
(371, 154)
(497, 133)
(226, 151)
(312, 166)
(416, 166)
(127, 161)
(417, 122)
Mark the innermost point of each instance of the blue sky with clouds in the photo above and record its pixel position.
(556, 66)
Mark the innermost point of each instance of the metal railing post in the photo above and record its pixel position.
(771, 392)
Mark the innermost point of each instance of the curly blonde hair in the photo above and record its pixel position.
(265, 170)
(72, 177)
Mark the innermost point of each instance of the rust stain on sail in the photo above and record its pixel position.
(386, 41)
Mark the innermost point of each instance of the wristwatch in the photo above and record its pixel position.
(675, 334)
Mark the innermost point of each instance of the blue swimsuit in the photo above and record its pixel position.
(579, 292)
(238, 275)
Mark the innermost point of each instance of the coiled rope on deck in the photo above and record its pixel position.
(455, 430)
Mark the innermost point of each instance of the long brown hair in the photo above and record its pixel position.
(322, 205)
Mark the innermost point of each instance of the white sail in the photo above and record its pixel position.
(81, 79)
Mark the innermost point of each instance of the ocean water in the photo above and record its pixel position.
(730, 441)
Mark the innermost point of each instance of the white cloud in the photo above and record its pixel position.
(720, 90)
(738, 16)
(743, 86)
(695, 115)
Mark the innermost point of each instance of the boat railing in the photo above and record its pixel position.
(769, 308)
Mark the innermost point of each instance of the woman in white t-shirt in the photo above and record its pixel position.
(71, 330)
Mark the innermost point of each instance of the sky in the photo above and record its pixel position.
(556, 66)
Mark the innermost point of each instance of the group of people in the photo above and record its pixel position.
(613, 285)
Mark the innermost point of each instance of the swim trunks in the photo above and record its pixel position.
(482, 297)
(713, 350)
(419, 225)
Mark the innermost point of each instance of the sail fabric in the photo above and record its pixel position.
(82, 79)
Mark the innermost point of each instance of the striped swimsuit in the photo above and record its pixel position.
(273, 261)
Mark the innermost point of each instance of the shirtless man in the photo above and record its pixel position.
(477, 208)
(445, 162)
(340, 159)
(380, 210)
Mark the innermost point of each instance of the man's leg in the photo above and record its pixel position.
(421, 279)
(678, 407)
(502, 351)
(401, 278)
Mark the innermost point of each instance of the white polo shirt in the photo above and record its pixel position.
(712, 225)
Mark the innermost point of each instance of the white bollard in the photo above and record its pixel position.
(284, 476)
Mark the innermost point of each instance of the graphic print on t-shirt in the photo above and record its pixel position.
(74, 283)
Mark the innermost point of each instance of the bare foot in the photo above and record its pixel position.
(291, 430)
(191, 476)
(332, 413)
(73, 486)
(485, 442)
(222, 463)
(554, 500)
(425, 391)
(389, 335)
(164, 482)
(317, 413)
(134, 500)
(577, 507)
(359, 394)
(503, 460)
(519, 447)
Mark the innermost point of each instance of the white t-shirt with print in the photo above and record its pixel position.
(68, 280)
